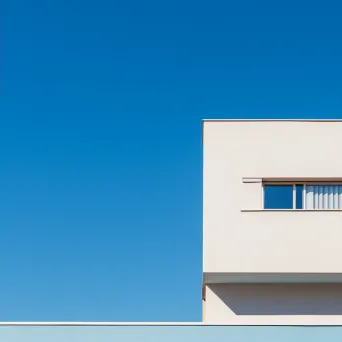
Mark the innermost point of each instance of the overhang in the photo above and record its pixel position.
(266, 278)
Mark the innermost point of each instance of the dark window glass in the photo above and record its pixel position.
(278, 196)
(299, 196)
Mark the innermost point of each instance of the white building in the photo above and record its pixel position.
(272, 217)
(272, 258)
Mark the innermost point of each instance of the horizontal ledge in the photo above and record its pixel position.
(250, 320)
(99, 324)
(251, 180)
(270, 278)
(297, 210)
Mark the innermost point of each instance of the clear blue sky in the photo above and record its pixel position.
(100, 140)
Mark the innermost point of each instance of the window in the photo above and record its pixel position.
(278, 196)
(323, 197)
(310, 196)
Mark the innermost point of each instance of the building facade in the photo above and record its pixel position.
(272, 221)
(272, 251)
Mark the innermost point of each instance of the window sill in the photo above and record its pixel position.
(306, 210)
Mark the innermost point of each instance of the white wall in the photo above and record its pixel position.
(167, 333)
(268, 241)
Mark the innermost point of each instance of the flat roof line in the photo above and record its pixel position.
(305, 320)
(101, 324)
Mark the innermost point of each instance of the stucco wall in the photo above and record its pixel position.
(250, 241)
(154, 333)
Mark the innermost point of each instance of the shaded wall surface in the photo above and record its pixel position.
(226, 300)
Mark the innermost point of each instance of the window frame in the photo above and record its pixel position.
(294, 192)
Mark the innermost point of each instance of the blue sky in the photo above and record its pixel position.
(100, 140)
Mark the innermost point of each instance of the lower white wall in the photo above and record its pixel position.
(228, 301)
(154, 333)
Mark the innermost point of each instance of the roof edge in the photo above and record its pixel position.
(267, 320)
(264, 120)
